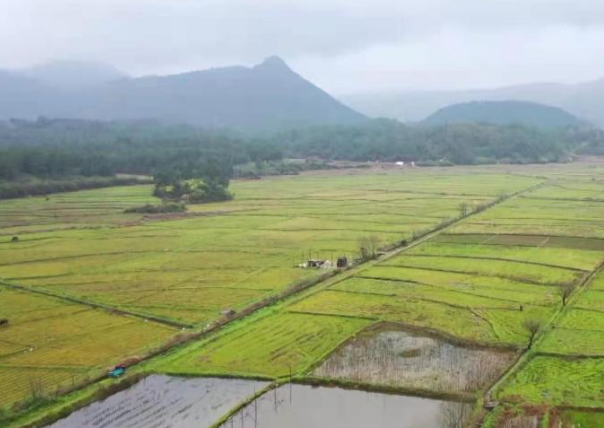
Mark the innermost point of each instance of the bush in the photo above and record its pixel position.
(158, 209)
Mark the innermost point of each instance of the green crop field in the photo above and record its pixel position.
(223, 255)
(478, 281)
(268, 347)
(50, 344)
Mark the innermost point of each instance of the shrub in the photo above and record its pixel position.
(158, 209)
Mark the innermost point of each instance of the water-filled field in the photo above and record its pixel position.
(164, 402)
(299, 406)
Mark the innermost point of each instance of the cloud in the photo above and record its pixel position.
(459, 59)
(340, 43)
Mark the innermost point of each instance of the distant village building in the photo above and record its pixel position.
(400, 163)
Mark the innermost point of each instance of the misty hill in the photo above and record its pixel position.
(73, 74)
(268, 95)
(585, 100)
(504, 113)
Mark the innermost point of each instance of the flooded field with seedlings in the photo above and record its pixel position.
(301, 406)
(394, 357)
(164, 402)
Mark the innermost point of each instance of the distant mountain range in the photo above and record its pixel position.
(504, 113)
(267, 96)
(585, 100)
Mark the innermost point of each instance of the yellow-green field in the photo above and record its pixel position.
(225, 255)
(50, 344)
(478, 281)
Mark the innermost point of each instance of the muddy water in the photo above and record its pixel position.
(398, 358)
(299, 406)
(164, 402)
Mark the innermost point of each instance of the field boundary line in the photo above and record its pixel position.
(460, 397)
(590, 238)
(95, 305)
(479, 274)
(498, 259)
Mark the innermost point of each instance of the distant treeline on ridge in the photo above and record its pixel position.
(48, 148)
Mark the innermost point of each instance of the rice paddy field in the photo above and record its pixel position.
(220, 256)
(50, 345)
(477, 283)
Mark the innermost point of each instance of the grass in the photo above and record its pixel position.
(558, 381)
(578, 419)
(268, 347)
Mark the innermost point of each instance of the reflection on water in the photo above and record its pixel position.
(164, 402)
(300, 406)
(398, 358)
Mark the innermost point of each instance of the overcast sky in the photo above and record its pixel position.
(344, 46)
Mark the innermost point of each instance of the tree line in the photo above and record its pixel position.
(54, 149)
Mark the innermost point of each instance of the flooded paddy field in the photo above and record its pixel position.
(164, 402)
(393, 357)
(301, 406)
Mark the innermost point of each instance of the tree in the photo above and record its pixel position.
(369, 246)
(532, 326)
(565, 291)
(463, 209)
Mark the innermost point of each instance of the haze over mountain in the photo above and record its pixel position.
(73, 74)
(585, 100)
(267, 95)
(504, 113)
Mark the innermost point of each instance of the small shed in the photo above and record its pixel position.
(342, 262)
(228, 312)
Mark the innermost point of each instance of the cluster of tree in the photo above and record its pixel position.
(589, 141)
(57, 151)
(67, 148)
(171, 187)
(389, 140)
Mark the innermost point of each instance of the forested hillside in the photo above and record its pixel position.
(504, 113)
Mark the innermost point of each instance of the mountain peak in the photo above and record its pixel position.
(274, 63)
